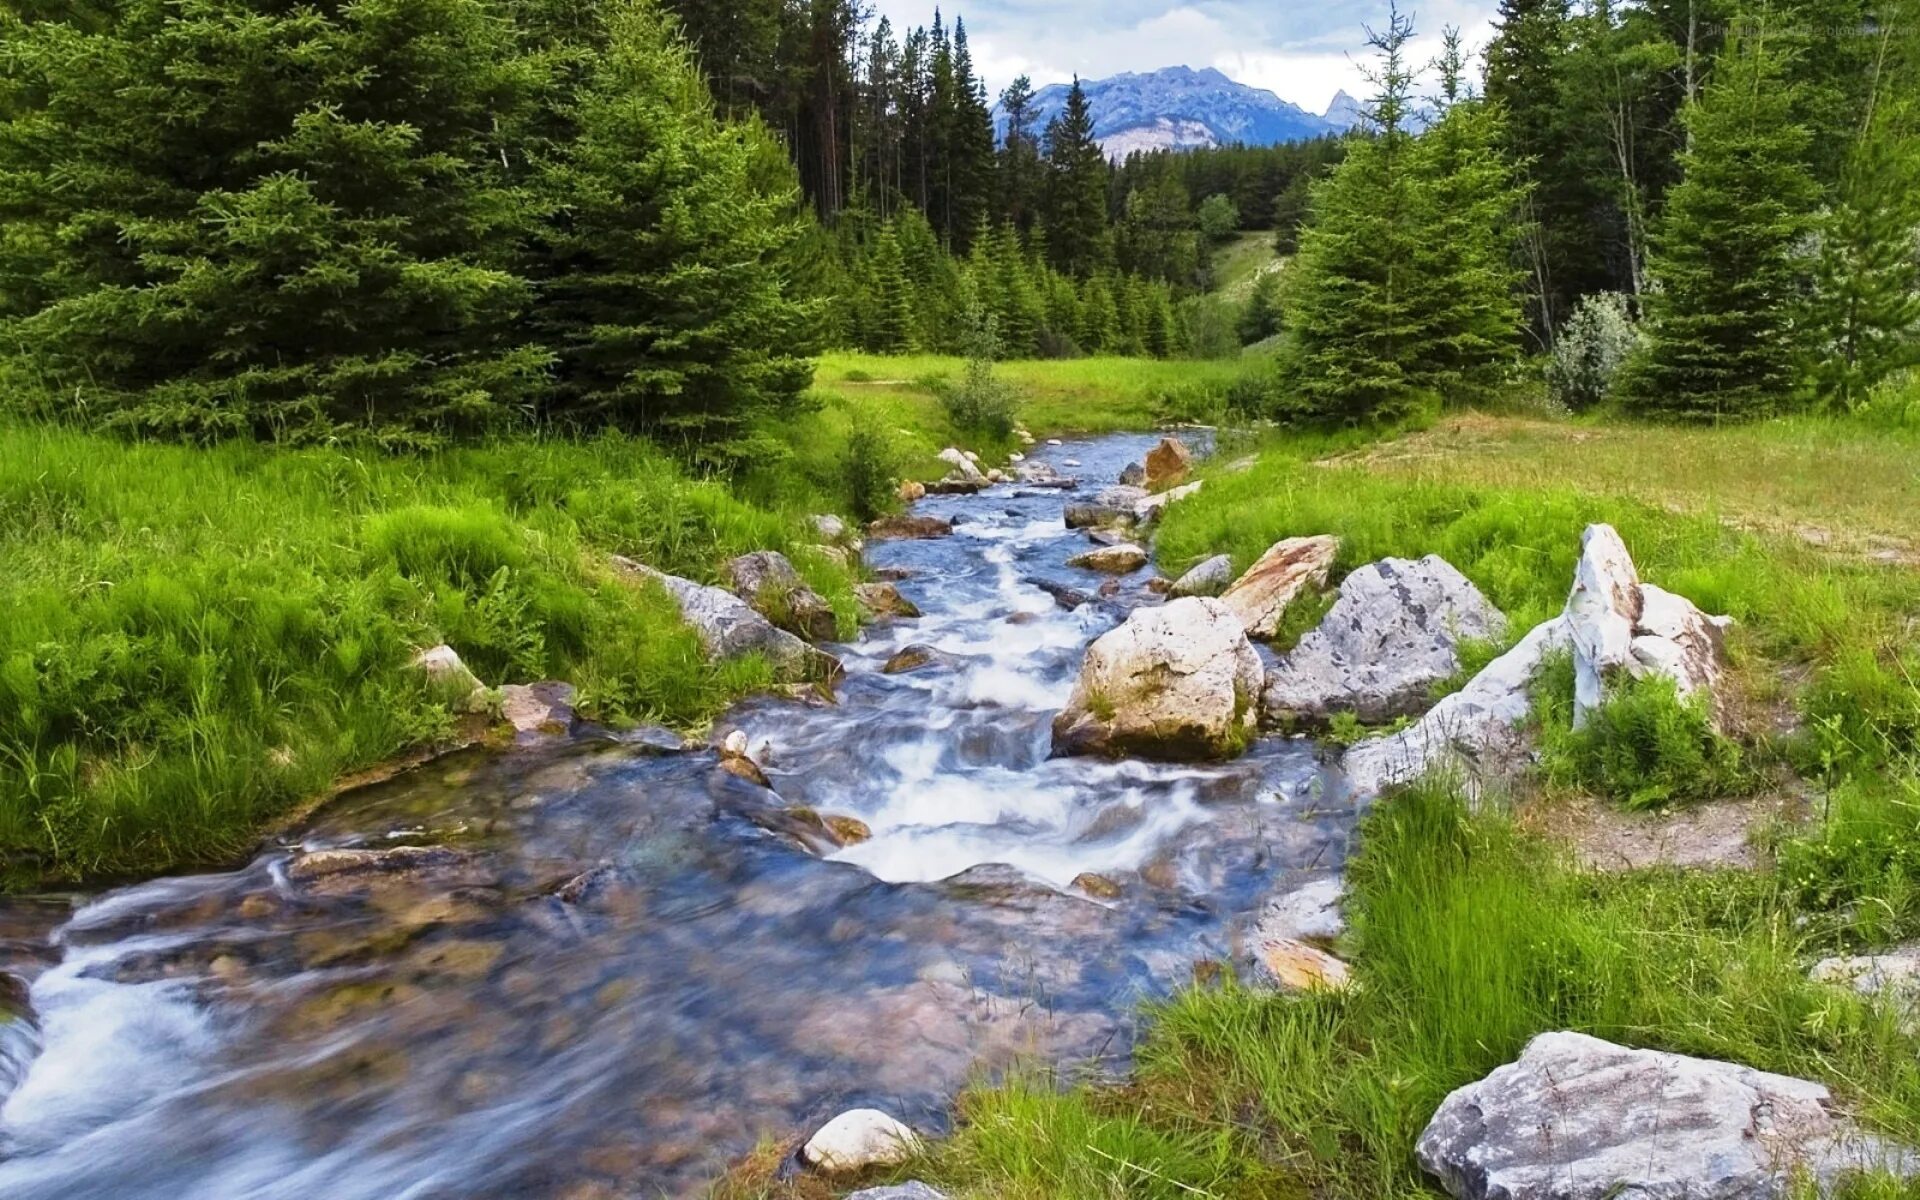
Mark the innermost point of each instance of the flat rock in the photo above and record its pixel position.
(1578, 1118)
(1295, 966)
(913, 1189)
(538, 709)
(1119, 559)
(1261, 596)
(1307, 912)
(1096, 516)
(1151, 508)
(394, 861)
(1178, 681)
(1210, 578)
(857, 1140)
(1891, 977)
(1394, 633)
(884, 600)
(729, 628)
(909, 527)
(1476, 730)
(917, 657)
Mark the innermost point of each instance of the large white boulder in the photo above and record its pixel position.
(768, 581)
(1578, 1118)
(1180, 681)
(728, 628)
(1393, 634)
(1261, 596)
(1623, 628)
(857, 1140)
(1475, 731)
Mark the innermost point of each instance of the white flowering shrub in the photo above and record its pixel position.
(1591, 349)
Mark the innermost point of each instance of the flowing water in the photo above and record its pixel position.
(623, 967)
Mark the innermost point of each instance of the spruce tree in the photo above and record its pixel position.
(1470, 201)
(661, 270)
(1721, 340)
(1351, 291)
(890, 324)
(1260, 318)
(1076, 196)
(1864, 313)
(245, 217)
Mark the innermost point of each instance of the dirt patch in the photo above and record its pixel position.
(1725, 835)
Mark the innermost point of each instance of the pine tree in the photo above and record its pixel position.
(1076, 213)
(890, 327)
(1720, 335)
(1865, 309)
(1020, 169)
(1468, 304)
(1351, 292)
(661, 283)
(244, 217)
(1260, 319)
(1100, 329)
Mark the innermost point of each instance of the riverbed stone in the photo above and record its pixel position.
(1179, 681)
(1394, 633)
(1624, 628)
(729, 628)
(884, 600)
(444, 668)
(1578, 1118)
(538, 709)
(1134, 475)
(1150, 509)
(917, 657)
(857, 1140)
(1210, 578)
(1476, 730)
(1306, 912)
(1295, 966)
(1168, 464)
(829, 526)
(1121, 559)
(768, 581)
(1260, 597)
(905, 528)
(964, 465)
(911, 490)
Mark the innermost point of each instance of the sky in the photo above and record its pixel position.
(1303, 50)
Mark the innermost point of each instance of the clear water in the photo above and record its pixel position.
(708, 978)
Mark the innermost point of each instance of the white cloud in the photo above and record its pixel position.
(1304, 54)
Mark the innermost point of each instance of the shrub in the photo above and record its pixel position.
(980, 403)
(869, 465)
(1645, 747)
(1590, 351)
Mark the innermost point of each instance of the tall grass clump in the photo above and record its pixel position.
(199, 638)
(1645, 747)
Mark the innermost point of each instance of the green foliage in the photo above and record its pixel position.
(235, 223)
(869, 467)
(660, 289)
(1590, 351)
(1402, 289)
(1260, 319)
(980, 403)
(1646, 747)
(1719, 329)
(1218, 218)
(229, 218)
(198, 639)
(1078, 240)
(1864, 310)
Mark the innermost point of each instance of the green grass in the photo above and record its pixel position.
(1241, 261)
(199, 638)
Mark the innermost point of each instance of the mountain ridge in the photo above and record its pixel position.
(1181, 108)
